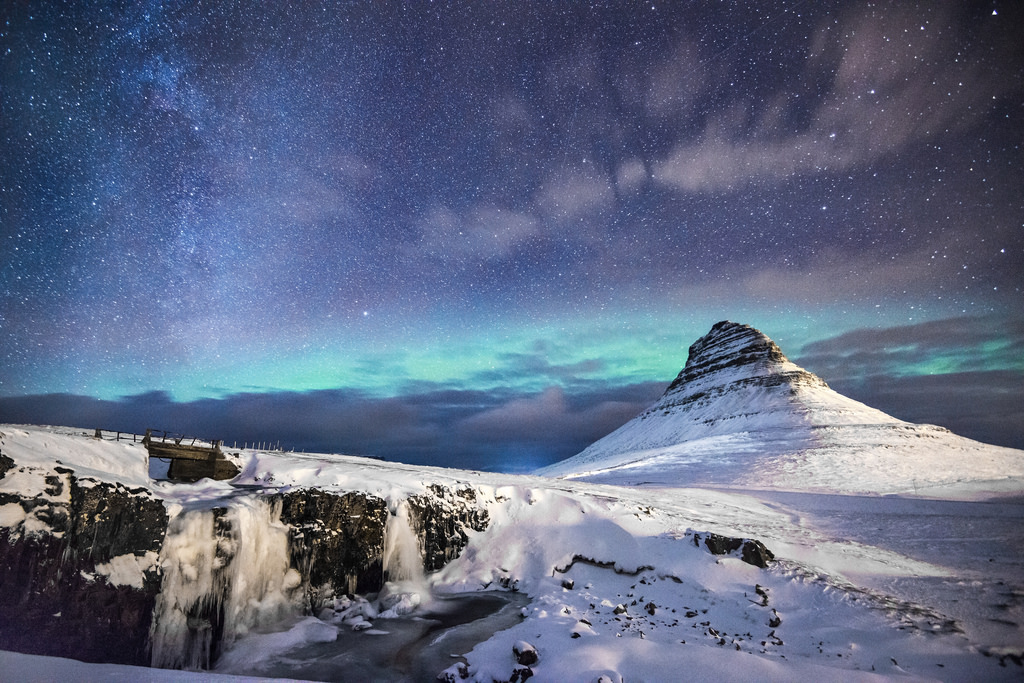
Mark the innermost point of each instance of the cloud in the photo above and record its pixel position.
(966, 374)
(962, 373)
(497, 430)
(954, 345)
(535, 364)
(572, 194)
(528, 426)
(531, 415)
(630, 176)
(489, 232)
(896, 79)
(674, 86)
(937, 270)
(985, 406)
(480, 233)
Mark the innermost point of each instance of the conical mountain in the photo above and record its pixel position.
(741, 414)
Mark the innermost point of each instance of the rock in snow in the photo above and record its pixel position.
(741, 414)
(525, 653)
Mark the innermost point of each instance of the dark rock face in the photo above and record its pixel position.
(110, 520)
(441, 520)
(750, 550)
(53, 599)
(730, 352)
(5, 464)
(336, 540)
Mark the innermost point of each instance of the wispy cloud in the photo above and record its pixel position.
(570, 195)
(546, 419)
(966, 344)
(479, 233)
(897, 77)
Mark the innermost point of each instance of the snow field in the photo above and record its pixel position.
(855, 593)
(645, 588)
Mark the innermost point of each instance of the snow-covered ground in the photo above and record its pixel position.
(863, 587)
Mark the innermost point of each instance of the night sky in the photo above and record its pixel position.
(485, 234)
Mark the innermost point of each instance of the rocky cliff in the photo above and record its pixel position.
(79, 570)
(99, 571)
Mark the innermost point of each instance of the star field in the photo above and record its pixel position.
(413, 221)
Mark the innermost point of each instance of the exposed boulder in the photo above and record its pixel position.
(456, 672)
(749, 550)
(525, 653)
(520, 674)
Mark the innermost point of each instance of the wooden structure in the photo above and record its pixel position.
(190, 461)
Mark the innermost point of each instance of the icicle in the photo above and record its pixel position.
(182, 630)
(262, 582)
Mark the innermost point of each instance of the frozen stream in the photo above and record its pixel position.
(413, 648)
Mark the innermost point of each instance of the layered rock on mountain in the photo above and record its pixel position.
(742, 414)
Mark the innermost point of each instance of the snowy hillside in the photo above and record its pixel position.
(599, 582)
(741, 414)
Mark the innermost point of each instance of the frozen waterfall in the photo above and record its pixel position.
(406, 585)
(224, 574)
(402, 558)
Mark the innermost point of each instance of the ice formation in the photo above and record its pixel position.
(225, 573)
(402, 557)
(406, 586)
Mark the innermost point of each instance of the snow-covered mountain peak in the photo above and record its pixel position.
(733, 352)
(742, 414)
(737, 380)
